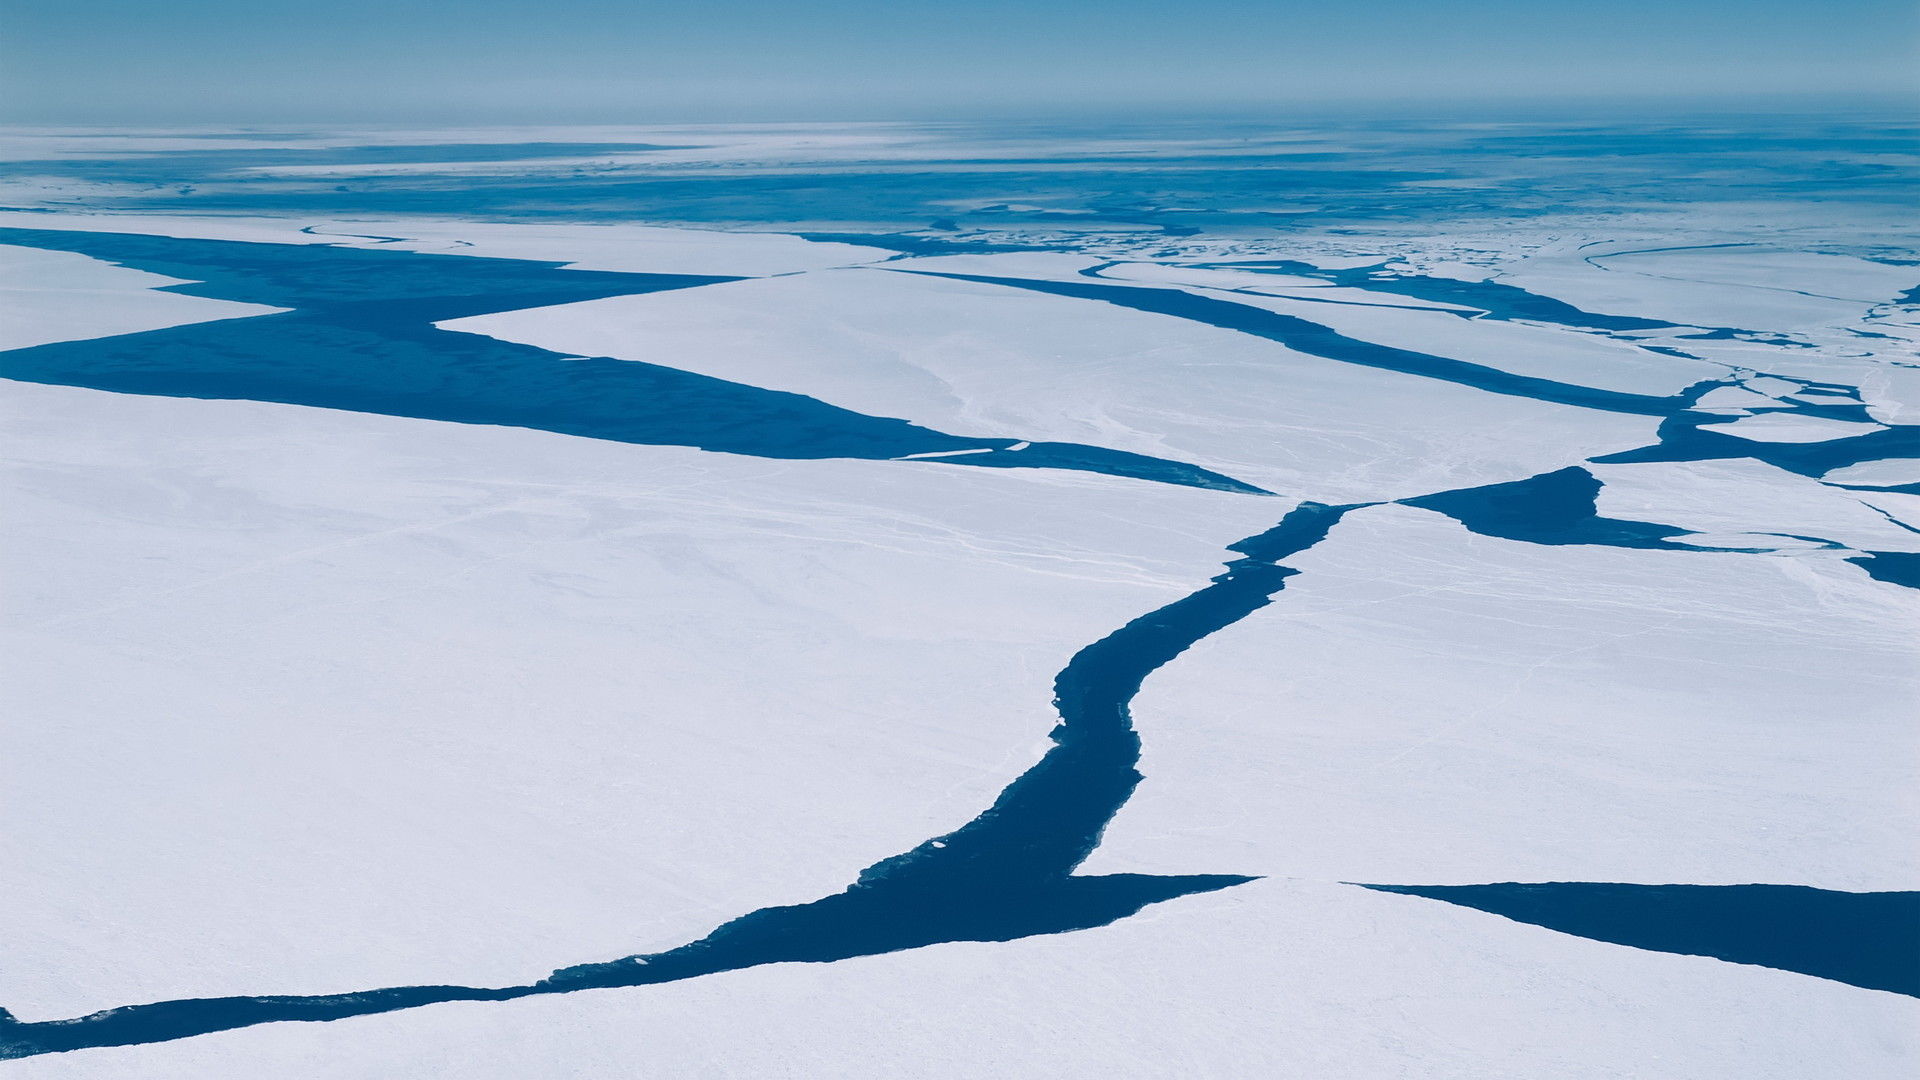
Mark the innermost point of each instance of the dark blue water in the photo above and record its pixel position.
(1862, 939)
(1560, 507)
(362, 340)
(1006, 874)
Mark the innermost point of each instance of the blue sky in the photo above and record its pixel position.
(266, 61)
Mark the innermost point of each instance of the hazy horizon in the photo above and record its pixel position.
(107, 62)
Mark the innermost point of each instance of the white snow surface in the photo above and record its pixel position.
(48, 296)
(1888, 472)
(1742, 286)
(1424, 705)
(1743, 496)
(989, 360)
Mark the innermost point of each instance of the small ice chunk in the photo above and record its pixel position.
(945, 453)
(1790, 428)
(1887, 472)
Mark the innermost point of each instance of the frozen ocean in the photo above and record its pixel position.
(1357, 598)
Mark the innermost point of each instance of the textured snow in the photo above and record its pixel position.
(1748, 497)
(1889, 472)
(48, 296)
(1734, 285)
(974, 358)
(309, 701)
(1515, 347)
(1428, 705)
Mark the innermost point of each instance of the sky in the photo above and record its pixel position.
(612, 61)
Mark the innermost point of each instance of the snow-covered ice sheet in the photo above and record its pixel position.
(966, 356)
(1777, 427)
(50, 296)
(1434, 706)
(311, 701)
(442, 703)
(1722, 285)
(1751, 498)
